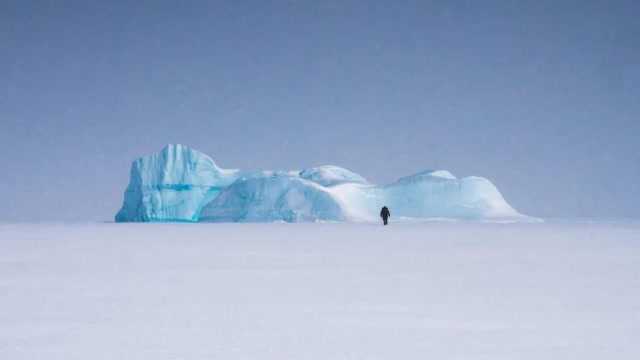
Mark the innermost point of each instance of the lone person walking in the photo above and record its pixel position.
(385, 214)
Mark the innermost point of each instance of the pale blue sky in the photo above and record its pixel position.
(541, 97)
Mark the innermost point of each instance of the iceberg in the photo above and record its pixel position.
(182, 184)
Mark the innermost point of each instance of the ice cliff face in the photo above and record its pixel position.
(181, 184)
(172, 185)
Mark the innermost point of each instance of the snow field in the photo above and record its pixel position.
(320, 291)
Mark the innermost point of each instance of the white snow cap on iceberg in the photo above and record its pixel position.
(329, 175)
(428, 175)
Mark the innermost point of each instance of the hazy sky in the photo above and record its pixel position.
(541, 97)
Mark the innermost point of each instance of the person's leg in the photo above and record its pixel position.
(384, 219)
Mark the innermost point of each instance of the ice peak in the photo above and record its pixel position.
(428, 175)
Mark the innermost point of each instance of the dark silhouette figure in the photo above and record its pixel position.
(385, 214)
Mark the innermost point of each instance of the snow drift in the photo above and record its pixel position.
(182, 184)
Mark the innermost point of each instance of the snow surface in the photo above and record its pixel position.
(320, 291)
(182, 184)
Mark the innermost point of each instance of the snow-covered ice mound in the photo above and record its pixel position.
(440, 194)
(182, 184)
(272, 198)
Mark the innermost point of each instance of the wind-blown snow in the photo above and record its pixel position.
(320, 291)
(181, 184)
